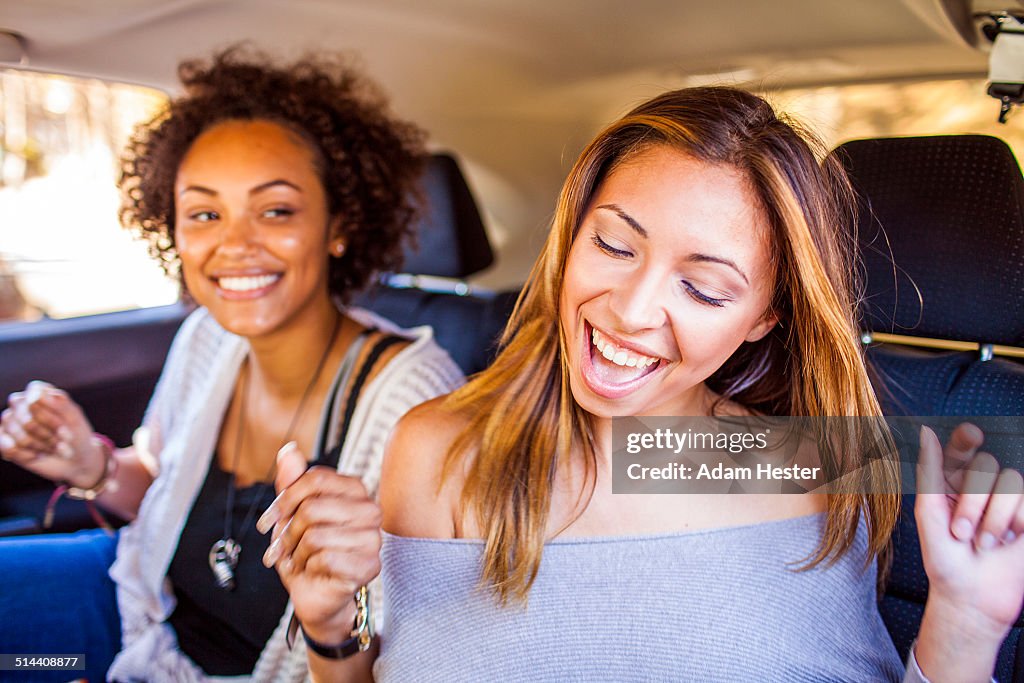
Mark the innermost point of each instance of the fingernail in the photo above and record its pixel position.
(927, 433)
(987, 541)
(288, 447)
(6, 442)
(268, 519)
(63, 433)
(64, 450)
(1009, 536)
(35, 390)
(273, 554)
(962, 529)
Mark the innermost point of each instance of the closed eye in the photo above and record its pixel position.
(609, 249)
(701, 297)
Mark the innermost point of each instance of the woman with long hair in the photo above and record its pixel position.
(700, 263)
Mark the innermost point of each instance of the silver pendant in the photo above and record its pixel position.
(223, 560)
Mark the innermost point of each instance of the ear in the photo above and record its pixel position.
(762, 327)
(335, 229)
(335, 237)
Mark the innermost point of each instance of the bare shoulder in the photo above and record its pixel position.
(415, 499)
(430, 426)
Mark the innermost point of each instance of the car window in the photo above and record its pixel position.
(848, 112)
(62, 250)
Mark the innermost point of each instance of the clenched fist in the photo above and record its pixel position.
(325, 544)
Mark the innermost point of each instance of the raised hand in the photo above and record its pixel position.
(970, 519)
(325, 544)
(46, 432)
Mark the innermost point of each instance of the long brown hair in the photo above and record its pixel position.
(521, 413)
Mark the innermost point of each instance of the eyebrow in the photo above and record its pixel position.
(693, 258)
(255, 190)
(708, 258)
(629, 220)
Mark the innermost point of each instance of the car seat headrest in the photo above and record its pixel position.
(941, 233)
(450, 240)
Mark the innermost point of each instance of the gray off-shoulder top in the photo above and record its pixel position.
(724, 604)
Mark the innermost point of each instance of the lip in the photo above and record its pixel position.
(606, 389)
(235, 295)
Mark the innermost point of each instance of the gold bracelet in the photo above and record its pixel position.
(359, 638)
(109, 469)
(362, 629)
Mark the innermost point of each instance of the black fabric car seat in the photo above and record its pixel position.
(451, 244)
(941, 231)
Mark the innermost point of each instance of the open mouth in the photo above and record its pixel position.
(246, 286)
(614, 370)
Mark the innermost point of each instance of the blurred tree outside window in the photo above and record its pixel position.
(873, 110)
(62, 250)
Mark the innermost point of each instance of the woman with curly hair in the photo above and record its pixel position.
(699, 264)
(275, 192)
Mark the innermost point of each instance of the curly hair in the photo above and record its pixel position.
(368, 161)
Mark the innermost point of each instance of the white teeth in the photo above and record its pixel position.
(620, 356)
(246, 283)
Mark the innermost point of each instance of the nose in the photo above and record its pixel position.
(237, 235)
(638, 302)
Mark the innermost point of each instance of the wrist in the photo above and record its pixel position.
(954, 645)
(962, 618)
(358, 637)
(92, 479)
(334, 630)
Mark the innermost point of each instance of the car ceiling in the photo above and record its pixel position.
(514, 87)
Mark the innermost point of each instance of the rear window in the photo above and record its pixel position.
(62, 250)
(849, 112)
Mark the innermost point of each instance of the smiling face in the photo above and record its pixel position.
(668, 275)
(252, 227)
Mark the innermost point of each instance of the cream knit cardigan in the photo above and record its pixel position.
(183, 419)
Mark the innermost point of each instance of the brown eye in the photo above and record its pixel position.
(204, 216)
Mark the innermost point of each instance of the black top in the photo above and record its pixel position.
(223, 631)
